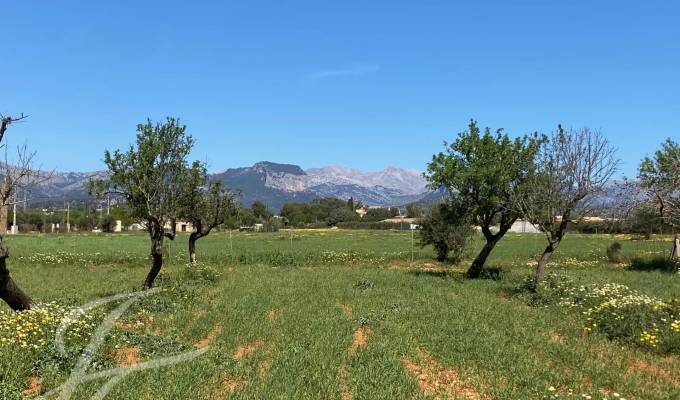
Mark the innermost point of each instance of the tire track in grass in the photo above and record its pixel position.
(438, 381)
(359, 341)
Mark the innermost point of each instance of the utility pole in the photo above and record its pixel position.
(68, 216)
(108, 205)
(14, 218)
(15, 228)
(412, 244)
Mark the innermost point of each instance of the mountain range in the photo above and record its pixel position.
(274, 184)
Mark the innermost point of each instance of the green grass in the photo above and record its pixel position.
(286, 302)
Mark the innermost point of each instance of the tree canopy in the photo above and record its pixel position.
(151, 177)
(482, 170)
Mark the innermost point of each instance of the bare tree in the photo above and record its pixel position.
(573, 167)
(17, 176)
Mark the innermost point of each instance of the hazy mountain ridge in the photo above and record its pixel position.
(272, 183)
(276, 184)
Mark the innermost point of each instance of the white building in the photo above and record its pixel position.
(523, 226)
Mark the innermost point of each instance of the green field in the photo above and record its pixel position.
(337, 314)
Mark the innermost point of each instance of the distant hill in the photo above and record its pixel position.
(277, 184)
(272, 183)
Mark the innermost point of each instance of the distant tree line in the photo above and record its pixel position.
(333, 212)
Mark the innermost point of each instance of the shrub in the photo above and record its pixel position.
(200, 274)
(616, 311)
(9, 392)
(108, 223)
(655, 264)
(613, 253)
(447, 229)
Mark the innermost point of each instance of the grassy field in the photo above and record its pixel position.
(336, 315)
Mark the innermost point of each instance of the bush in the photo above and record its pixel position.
(272, 225)
(447, 229)
(616, 311)
(200, 274)
(108, 223)
(374, 225)
(613, 253)
(655, 264)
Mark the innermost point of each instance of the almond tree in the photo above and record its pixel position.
(150, 177)
(573, 167)
(205, 204)
(660, 180)
(16, 176)
(482, 171)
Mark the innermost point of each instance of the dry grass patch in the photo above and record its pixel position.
(219, 388)
(346, 309)
(247, 349)
(271, 314)
(210, 337)
(640, 367)
(425, 266)
(344, 383)
(126, 356)
(437, 381)
(34, 387)
(264, 365)
(554, 337)
(359, 339)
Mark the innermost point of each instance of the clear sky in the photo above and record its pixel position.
(362, 84)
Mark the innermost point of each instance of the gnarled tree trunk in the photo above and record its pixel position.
(477, 266)
(156, 260)
(543, 261)
(9, 291)
(192, 245)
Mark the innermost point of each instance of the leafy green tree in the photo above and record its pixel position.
(246, 217)
(414, 210)
(378, 214)
(447, 228)
(122, 214)
(660, 180)
(329, 211)
(108, 223)
(204, 203)
(150, 176)
(261, 211)
(481, 171)
(350, 204)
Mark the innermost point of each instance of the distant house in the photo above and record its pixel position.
(361, 211)
(181, 226)
(400, 219)
(253, 228)
(523, 226)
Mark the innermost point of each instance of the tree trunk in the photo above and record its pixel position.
(543, 262)
(675, 254)
(442, 252)
(15, 298)
(157, 261)
(478, 264)
(192, 246)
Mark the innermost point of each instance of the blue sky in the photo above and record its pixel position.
(359, 84)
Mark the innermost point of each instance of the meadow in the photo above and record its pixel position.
(337, 314)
